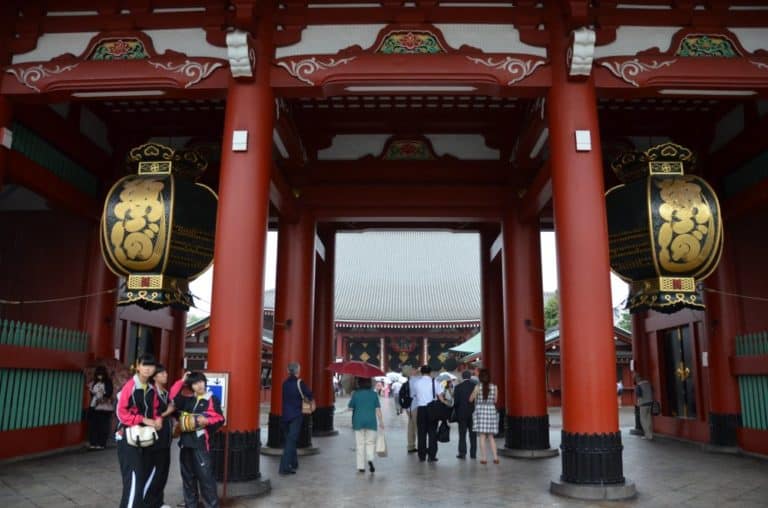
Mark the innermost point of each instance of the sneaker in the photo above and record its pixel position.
(370, 466)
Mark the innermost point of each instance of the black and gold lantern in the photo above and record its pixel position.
(665, 229)
(157, 229)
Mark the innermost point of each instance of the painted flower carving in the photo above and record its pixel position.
(119, 48)
(410, 41)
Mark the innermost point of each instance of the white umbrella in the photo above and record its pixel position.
(446, 375)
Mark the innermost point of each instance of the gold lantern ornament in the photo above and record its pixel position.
(158, 226)
(665, 228)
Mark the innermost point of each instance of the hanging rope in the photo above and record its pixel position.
(745, 297)
(52, 300)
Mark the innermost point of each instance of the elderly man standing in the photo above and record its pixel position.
(425, 389)
(294, 392)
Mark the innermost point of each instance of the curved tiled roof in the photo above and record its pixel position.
(406, 276)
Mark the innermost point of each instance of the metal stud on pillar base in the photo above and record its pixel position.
(243, 477)
(592, 468)
(276, 438)
(527, 437)
(322, 422)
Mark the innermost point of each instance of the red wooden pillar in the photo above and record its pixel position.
(725, 323)
(238, 280)
(591, 442)
(322, 419)
(5, 123)
(527, 418)
(492, 316)
(176, 340)
(100, 314)
(294, 299)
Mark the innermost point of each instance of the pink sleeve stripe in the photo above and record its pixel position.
(127, 416)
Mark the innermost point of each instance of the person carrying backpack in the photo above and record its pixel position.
(406, 402)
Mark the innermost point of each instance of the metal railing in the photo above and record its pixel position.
(753, 389)
(17, 333)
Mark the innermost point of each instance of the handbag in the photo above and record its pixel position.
(140, 436)
(307, 406)
(381, 444)
(444, 432)
(436, 410)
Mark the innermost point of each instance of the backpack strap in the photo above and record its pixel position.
(298, 385)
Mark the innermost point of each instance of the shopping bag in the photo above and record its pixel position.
(381, 445)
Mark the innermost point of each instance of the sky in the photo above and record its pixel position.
(201, 287)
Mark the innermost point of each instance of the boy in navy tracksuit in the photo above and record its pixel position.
(161, 450)
(195, 456)
(136, 405)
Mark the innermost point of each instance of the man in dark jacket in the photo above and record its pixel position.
(463, 410)
(294, 392)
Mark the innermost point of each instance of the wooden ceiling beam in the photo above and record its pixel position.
(538, 195)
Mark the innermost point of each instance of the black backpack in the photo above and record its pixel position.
(404, 396)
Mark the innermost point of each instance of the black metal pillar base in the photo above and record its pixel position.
(237, 492)
(592, 468)
(322, 422)
(638, 430)
(502, 422)
(527, 437)
(276, 438)
(723, 428)
(243, 451)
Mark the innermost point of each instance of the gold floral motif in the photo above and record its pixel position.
(687, 237)
(138, 236)
(682, 372)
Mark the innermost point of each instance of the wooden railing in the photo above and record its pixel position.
(17, 333)
(751, 367)
(39, 398)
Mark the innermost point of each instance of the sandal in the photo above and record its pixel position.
(483, 462)
(495, 461)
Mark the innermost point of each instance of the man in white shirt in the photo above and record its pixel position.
(424, 389)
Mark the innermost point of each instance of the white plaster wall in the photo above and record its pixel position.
(632, 39)
(489, 38)
(330, 39)
(353, 146)
(52, 45)
(188, 40)
(463, 146)
(752, 39)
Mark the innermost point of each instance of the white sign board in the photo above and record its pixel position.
(218, 384)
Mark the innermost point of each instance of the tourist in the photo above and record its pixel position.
(136, 406)
(486, 419)
(294, 393)
(100, 410)
(463, 410)
(619, 390)
(396, 396)
(425, 389)
(200, 417)
(405, 398)
(161, 450)
(644, 402)
(366, 409)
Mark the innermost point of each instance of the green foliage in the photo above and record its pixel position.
(625, 321)
(552, 311)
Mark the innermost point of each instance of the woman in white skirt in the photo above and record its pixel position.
(485, 420)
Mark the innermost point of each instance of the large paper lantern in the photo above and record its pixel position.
(665, 229)
(158, 226)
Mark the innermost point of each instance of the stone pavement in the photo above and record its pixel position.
(666, 472)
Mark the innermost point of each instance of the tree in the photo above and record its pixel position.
(625, 321)
(193, 317)
(552, 311)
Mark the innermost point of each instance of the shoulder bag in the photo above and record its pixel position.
(307, 406)
(140, 436)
